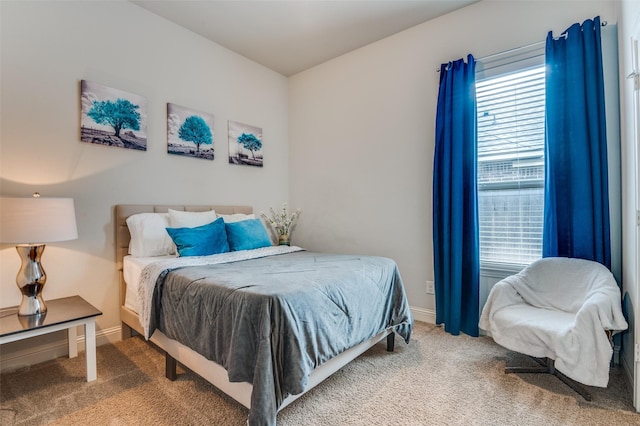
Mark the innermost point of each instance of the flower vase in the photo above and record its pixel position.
(283, 240)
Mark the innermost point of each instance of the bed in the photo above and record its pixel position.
(263, 325)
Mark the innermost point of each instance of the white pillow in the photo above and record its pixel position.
(149, 236)
(236, 217)
(182, 219)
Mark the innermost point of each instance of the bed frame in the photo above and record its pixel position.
(176, 352)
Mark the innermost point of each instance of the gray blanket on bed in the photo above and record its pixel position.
(271, 321)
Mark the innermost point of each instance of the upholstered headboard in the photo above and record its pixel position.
(123, 211)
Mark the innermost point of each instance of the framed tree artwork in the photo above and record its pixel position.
(112, 117)
(245, 144)
(189, 132)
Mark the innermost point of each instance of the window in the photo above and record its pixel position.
(510, 101)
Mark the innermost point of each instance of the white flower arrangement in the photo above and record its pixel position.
(281, 223)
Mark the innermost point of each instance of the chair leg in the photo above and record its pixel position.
(547, 366)
(573, 385)
(526, 370)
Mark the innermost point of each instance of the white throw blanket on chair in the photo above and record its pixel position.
(558, 308)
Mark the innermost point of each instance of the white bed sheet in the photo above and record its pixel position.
(132, 269)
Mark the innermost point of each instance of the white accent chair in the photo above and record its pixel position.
(561, 311)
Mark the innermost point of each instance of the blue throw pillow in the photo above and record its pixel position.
(200, 240)
(247, 235)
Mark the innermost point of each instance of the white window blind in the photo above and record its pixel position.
(511, 163)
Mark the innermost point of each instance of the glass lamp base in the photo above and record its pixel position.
(32, 305)
(31, 279)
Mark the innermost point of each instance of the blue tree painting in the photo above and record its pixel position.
(245, 144)
(189, 132)
(119, 114)
(112, 117)
(250, 142)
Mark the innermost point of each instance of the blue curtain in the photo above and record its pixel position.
(576, 211)
(455, 201)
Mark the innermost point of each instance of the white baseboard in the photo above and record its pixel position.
(45, 352)
(424, 315)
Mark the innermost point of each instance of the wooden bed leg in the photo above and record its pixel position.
(391, 340)
(126, 332)
(170, 370)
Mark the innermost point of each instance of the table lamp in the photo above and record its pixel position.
(30, 222)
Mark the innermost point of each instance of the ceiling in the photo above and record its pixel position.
(294, 35)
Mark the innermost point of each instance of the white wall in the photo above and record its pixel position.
(47, 48)
(361, 130)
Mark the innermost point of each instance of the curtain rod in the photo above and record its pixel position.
(528, 46)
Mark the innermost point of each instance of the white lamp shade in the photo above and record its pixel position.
(37, 220)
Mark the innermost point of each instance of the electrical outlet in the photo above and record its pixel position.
(430, 287)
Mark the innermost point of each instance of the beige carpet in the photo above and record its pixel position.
(437, 379)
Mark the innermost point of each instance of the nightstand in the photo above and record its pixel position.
(66, 313)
